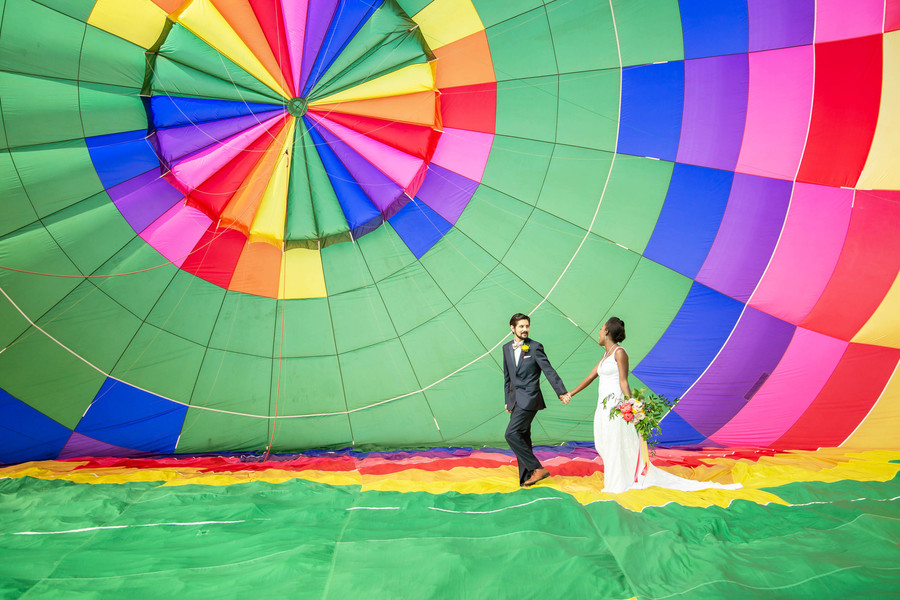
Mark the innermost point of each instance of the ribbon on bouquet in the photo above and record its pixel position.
(643, 457)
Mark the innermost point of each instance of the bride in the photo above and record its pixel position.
(617, 442)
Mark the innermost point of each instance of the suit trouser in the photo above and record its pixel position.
(518, 436)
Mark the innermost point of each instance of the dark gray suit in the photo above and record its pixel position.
(522, 389)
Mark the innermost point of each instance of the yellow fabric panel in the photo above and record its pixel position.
(268, 224)
(302, 275)
(138, 21)
(408, 80)
(444, 21)
(881, 171)
(883, 327)
(881, 428)
(202, 18)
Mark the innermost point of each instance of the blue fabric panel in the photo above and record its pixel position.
(690, 343)
(349, 17)
(714, 27)
(28, 434)
(419, 226)
(358, 209)
(169, 111)
(120, 156)
(125, 416)
(652, 106)
(690, 218)
(677, 432)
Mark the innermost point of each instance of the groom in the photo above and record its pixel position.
(523, 361)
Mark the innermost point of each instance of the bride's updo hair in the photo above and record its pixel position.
(615, 329)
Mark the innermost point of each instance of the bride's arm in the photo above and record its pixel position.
(622, 362)
(587, 381)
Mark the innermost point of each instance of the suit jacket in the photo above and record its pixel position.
(522, 382)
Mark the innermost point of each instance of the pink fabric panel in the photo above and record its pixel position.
(843, 19)
(807, 252)
(294, 14)
(801, 374)
(463, 152)
(778, 109)
(176, 232)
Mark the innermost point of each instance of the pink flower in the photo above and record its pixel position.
(625, 408)
(628, 416)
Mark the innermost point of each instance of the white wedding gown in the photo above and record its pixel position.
(618, 444)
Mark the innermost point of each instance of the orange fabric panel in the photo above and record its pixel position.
(465, 62)
(258, 270)
(169, 6)
(420, 108)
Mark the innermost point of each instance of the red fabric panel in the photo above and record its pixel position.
(846, 399)
(845, 111)
(268, 14)
(892, 15)
(472, 107)
(415, 140)
(866, 269)
(216, 255)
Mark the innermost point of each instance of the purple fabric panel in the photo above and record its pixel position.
(750, 354)
(781, 23)
(177, 142)
(715, 111)
(82, 445)
(144, 203)
(318, 17)
(381, 189)
(747, 235)
(446, 193)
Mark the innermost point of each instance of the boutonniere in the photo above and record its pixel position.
(524, 347)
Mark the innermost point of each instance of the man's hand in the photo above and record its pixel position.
(507, 410)
(565, 398)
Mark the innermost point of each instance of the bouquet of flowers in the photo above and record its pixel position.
(644, 410)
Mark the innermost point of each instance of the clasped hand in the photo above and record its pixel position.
(565, 398)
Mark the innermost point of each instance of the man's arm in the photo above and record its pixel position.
(543, 362)
(507, 382)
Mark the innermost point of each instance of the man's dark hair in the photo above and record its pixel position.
(518, 317)
(615, 329)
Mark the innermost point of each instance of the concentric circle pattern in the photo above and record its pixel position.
(273, 225)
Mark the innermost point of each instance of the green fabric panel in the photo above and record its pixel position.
(457, 264)
(488, 307)
(189, 50)
(4, 142)
(56, 175)
(246, 324)
(543, 250)
(574, 183)
(54, 48)
(647, 305)
(138, 292)
(345, 268)
(78, 9)
(384, 252)
(633, 199)
(575, 421)
(412, 298)
(162, 363)
(111, 60)
(370, 65)
(188, 308)
(38, 110)
(110, 109)
(589, 110)
(583, 35)
(360, 319)
(377, 373)
(307, 328)
(491, 220)
(17, 209)
(411, 7)
(31, 249)
(527, 108)
(560, 336)
(393, 424)
(649, 31)
(74, 322)
(175, 79)
(441, 346)
(90, 232)
(300, 220)
(315, 432)
(505, 41)
(235, 382)
(462, 415)
(309, 385)
(517, 167)
(210, 431)
(492, 12)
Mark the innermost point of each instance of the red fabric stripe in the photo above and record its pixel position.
(216, 255)
(866, 269)
(415, 140)
(892, 15)
(845, 111)
(846, 399)
(472, 107)
(268, 14)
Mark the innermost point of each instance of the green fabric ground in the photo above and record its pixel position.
(308, 540)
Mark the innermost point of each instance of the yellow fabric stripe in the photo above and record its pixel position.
(138, 21)
(202, 18)
(881, 172)
(408, 80)
(883, 327)
(444, 21)
(879, 430)
(268, 224)
(302, 275)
